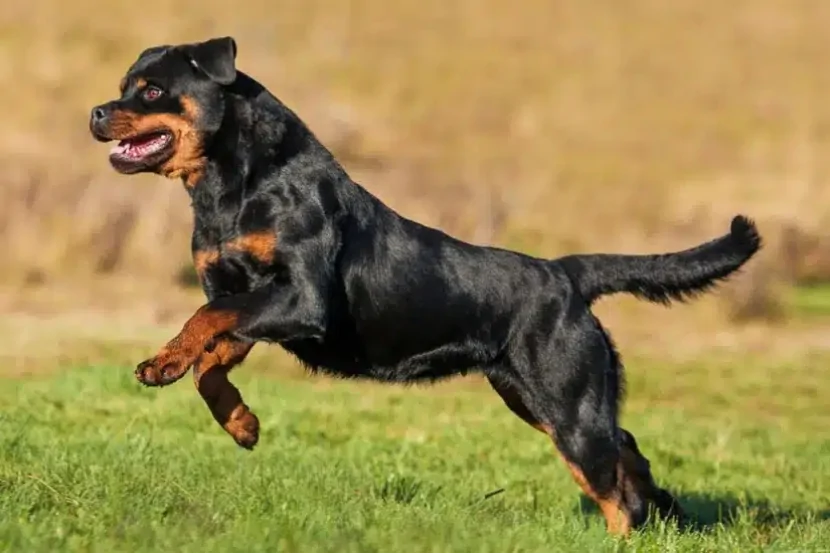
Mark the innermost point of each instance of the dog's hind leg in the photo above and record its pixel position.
(512, 396)
(568, 389)
(210, 374)
(586, 440)
(588, 447)
(638, 482)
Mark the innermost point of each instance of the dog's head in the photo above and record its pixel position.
(171, 102)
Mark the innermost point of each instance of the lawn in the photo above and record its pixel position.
(92, 461)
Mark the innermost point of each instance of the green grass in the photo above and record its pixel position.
(91, 461)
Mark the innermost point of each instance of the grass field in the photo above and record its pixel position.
(91, 461)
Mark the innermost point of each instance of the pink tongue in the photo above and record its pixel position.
(136, 147)
(139, 142)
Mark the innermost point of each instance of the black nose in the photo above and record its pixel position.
(98, 122)
(98, 114)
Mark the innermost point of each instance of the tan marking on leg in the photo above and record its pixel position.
(174, 359)
(223, 398)
(616, 519)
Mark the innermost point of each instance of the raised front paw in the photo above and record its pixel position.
(163, 369)
(243, 426)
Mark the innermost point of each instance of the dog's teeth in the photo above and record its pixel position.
(127, 148)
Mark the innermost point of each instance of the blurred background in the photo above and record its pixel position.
(547, 126)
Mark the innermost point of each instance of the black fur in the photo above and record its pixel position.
(354, 289)
(662, 278)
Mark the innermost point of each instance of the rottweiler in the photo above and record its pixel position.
(290, 250)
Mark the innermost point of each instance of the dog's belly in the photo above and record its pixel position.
(346, 361)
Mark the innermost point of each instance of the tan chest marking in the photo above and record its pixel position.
(261, 246)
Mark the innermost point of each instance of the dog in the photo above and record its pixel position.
(289, 250)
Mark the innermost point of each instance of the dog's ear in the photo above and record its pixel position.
(216, 58)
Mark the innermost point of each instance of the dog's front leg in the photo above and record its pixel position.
(273, 313)
(210, 374)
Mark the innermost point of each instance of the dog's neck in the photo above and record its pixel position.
(230, 155)
(259, 139)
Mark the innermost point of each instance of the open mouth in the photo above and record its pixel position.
(141, 148)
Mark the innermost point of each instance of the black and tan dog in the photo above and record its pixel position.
(291, 251)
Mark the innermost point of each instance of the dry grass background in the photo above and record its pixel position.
(551, 126)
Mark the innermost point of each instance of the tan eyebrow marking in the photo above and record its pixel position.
(139, 83)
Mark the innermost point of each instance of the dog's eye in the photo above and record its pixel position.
(151, 93)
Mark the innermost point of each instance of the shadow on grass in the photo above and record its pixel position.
(706, 511)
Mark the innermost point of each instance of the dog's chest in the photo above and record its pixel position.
(234, 242)
(236, 264)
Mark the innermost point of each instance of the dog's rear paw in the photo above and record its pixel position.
(243, 426)
(668, 507)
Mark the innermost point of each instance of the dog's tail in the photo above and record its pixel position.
(662, 278)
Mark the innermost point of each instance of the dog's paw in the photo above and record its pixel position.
(243, 426)
(668, 508)
(162, 369)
